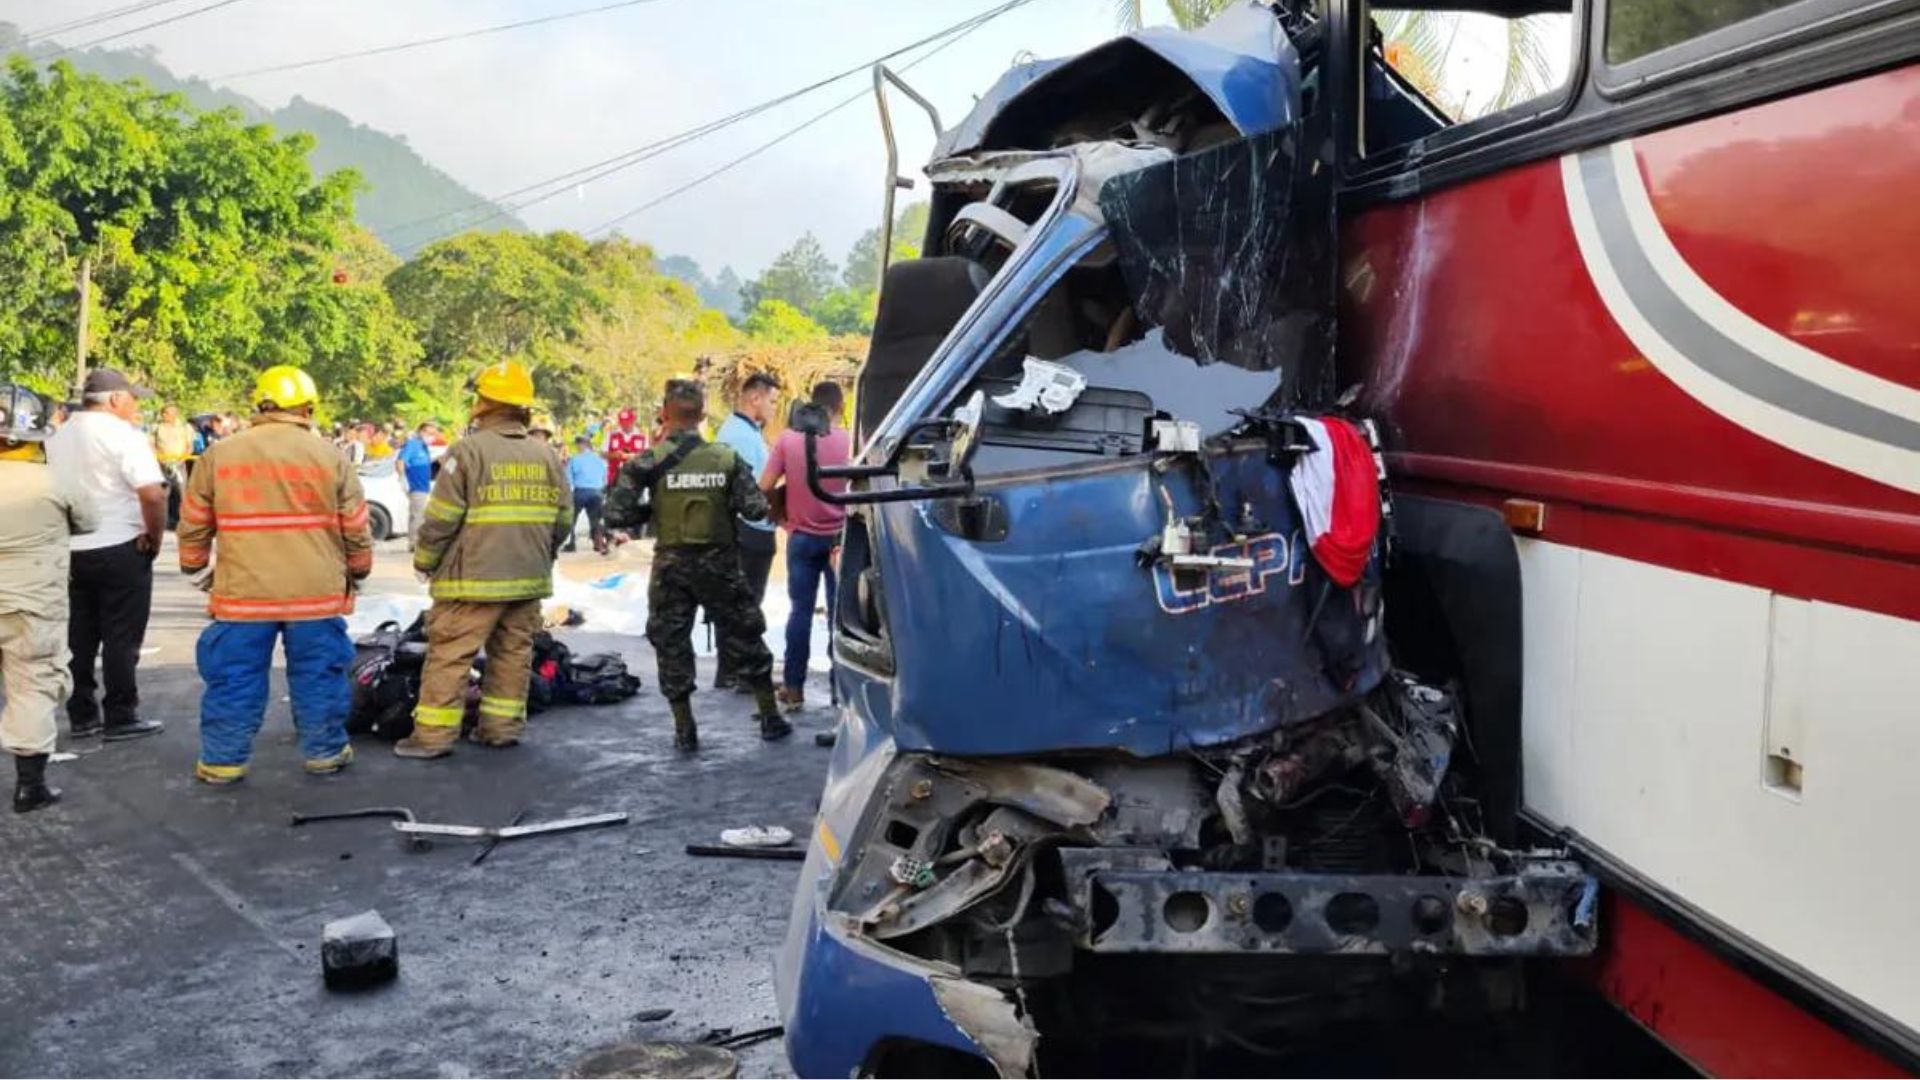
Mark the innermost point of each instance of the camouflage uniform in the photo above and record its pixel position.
(692, 506)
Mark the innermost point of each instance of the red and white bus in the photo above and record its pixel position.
(1664, 317)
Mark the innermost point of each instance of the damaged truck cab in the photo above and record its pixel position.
(1126, 773)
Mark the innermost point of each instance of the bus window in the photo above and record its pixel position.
(1431, 70)
(1638, 27)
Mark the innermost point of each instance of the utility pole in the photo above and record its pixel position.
(80, 335)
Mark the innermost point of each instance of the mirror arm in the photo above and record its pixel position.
(817, 472)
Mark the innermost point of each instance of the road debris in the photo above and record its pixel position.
(655, 1059)
(757, 836)
(487, 849)
(726, 1037)
(720, 851)
(510, 832)
(358, 952)
(414, 843)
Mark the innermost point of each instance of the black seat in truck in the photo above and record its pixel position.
(920, 302)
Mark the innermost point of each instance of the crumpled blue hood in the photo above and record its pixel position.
(1242, 61)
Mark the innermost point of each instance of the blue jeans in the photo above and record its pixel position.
(590, 503)
(235, 659)
(809, 558)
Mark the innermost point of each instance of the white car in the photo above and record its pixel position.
(386, 499)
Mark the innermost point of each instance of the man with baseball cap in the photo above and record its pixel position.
(101, 453)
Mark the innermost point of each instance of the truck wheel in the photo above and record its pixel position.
(379, 524)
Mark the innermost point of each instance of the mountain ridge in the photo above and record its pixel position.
(401, 185)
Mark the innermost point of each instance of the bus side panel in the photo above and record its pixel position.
(1699, 350)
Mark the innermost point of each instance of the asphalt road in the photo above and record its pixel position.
(151, 926)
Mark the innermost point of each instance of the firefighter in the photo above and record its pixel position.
(38, 512)
(692, 490)
(291, 522)
(495, 522)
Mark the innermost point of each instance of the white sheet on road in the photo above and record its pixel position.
(613, 604)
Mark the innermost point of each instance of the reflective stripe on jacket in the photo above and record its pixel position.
(498, 514)
(290, 519)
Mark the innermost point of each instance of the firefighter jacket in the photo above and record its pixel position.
(691, 493)
(498, 514)
(291, 522)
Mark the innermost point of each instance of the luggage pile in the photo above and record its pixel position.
(386, 679)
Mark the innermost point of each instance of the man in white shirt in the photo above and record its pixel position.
(101, 452)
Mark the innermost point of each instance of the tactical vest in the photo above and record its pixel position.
(692, 504)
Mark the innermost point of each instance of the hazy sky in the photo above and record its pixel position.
(504, 110)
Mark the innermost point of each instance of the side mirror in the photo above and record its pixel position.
(930, 461)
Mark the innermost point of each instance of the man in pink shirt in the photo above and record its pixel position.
(813, 527)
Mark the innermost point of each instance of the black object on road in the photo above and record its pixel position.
(358, 952)
(494, 841)
(722, 851)
(417, 843)
(725, 1037)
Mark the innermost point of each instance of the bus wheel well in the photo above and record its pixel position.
(1453, 614)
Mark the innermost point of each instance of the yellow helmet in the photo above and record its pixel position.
(285, 386)
(506, 382)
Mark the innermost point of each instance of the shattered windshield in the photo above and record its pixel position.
(1195, 305)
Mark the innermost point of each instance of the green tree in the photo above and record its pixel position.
(799, 276)
(599, 323)
(478, 295)
(210, 241)
(847, 311)
(781, 323)
(863, 260)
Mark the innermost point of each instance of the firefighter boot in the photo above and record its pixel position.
(772, 724)
(30, 790)
(686, 737)
(328, 766)
(429, 740)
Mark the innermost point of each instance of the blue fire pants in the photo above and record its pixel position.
(235, 659)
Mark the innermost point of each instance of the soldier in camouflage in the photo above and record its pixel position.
(691, 490)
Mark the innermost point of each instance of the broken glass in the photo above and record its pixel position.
(1229, 252)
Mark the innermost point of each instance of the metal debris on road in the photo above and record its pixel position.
(727, 1038)
(721, 851)
(509, 832)
(494, 842)
(415, 843)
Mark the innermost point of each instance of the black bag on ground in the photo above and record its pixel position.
(386, 680)
(552, 665)
(601, 679)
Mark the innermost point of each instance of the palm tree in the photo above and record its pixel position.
(1187, 14)
(1418, 44)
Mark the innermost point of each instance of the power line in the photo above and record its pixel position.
(145, 26)
(96, 18)
(441, 40)
(499, 207)
(776, 140)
